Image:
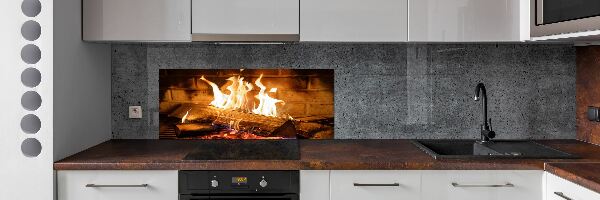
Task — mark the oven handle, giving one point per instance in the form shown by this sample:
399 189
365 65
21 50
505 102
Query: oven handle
245 196
192 197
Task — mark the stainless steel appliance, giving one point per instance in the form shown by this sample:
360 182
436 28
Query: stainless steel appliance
232 185
553 17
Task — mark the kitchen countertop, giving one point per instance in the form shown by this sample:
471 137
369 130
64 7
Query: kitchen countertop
584 174
314 154
332 155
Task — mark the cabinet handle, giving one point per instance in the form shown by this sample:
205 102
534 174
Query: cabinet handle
560 194
114 186
376 184
499 185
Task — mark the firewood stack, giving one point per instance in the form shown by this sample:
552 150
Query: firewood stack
202 120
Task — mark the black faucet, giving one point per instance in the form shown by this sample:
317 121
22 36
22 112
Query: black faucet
486 129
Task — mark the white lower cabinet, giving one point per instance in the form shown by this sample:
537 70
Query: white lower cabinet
375 185
482 185
560 189
314 185
117 185
341 185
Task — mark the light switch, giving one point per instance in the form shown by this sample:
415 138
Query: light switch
135 112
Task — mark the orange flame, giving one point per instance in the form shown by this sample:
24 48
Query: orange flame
237 97
267 105
219 99
185 116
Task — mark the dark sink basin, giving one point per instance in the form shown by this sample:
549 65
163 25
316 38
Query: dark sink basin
471 149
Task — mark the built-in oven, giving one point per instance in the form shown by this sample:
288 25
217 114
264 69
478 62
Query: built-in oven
554 17
237 185
237 197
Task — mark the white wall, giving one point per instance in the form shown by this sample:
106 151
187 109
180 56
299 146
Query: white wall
82 95
21 177
82 83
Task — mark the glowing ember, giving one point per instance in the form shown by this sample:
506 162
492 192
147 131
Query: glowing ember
234 135
237 98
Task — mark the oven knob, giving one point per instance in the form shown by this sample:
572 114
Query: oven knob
214 183
263 183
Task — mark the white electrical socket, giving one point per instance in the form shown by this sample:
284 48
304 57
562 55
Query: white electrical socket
135 112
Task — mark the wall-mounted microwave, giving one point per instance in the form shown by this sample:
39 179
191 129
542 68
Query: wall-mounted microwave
555 17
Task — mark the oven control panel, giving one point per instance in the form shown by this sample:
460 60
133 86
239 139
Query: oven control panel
231 182
239 181
263 182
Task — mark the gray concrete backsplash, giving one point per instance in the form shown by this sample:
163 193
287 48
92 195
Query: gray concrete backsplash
390 91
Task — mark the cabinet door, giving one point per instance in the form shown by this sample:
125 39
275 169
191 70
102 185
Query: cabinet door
482 185
560 189
314 185
136 20
468 20
222 17
353 20
117 185
374 184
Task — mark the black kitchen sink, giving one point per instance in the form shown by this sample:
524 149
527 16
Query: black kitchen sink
502 149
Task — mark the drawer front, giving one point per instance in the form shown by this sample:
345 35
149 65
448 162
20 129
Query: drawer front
376 185
117 185
560 189
482 185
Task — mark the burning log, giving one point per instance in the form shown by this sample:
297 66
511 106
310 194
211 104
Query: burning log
257 124
287 130
193 129
195 113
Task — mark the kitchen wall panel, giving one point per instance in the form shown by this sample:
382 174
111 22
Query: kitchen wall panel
381 90
588 92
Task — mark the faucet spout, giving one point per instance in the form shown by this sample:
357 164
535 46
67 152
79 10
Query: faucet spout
486 132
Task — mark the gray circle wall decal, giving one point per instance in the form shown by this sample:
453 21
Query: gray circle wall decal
31 54
31 147
31 8
31 124
31 100
31 77
31 30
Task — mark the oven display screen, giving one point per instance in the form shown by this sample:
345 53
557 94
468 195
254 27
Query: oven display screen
239 181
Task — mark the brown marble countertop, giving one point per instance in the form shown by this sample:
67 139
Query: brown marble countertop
314 154
584 174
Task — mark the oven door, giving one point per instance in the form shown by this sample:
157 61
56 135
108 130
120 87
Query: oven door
553 17
240 197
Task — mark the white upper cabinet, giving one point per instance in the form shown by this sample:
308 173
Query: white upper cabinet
468 20
245 20
136 20
307 20
353 20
